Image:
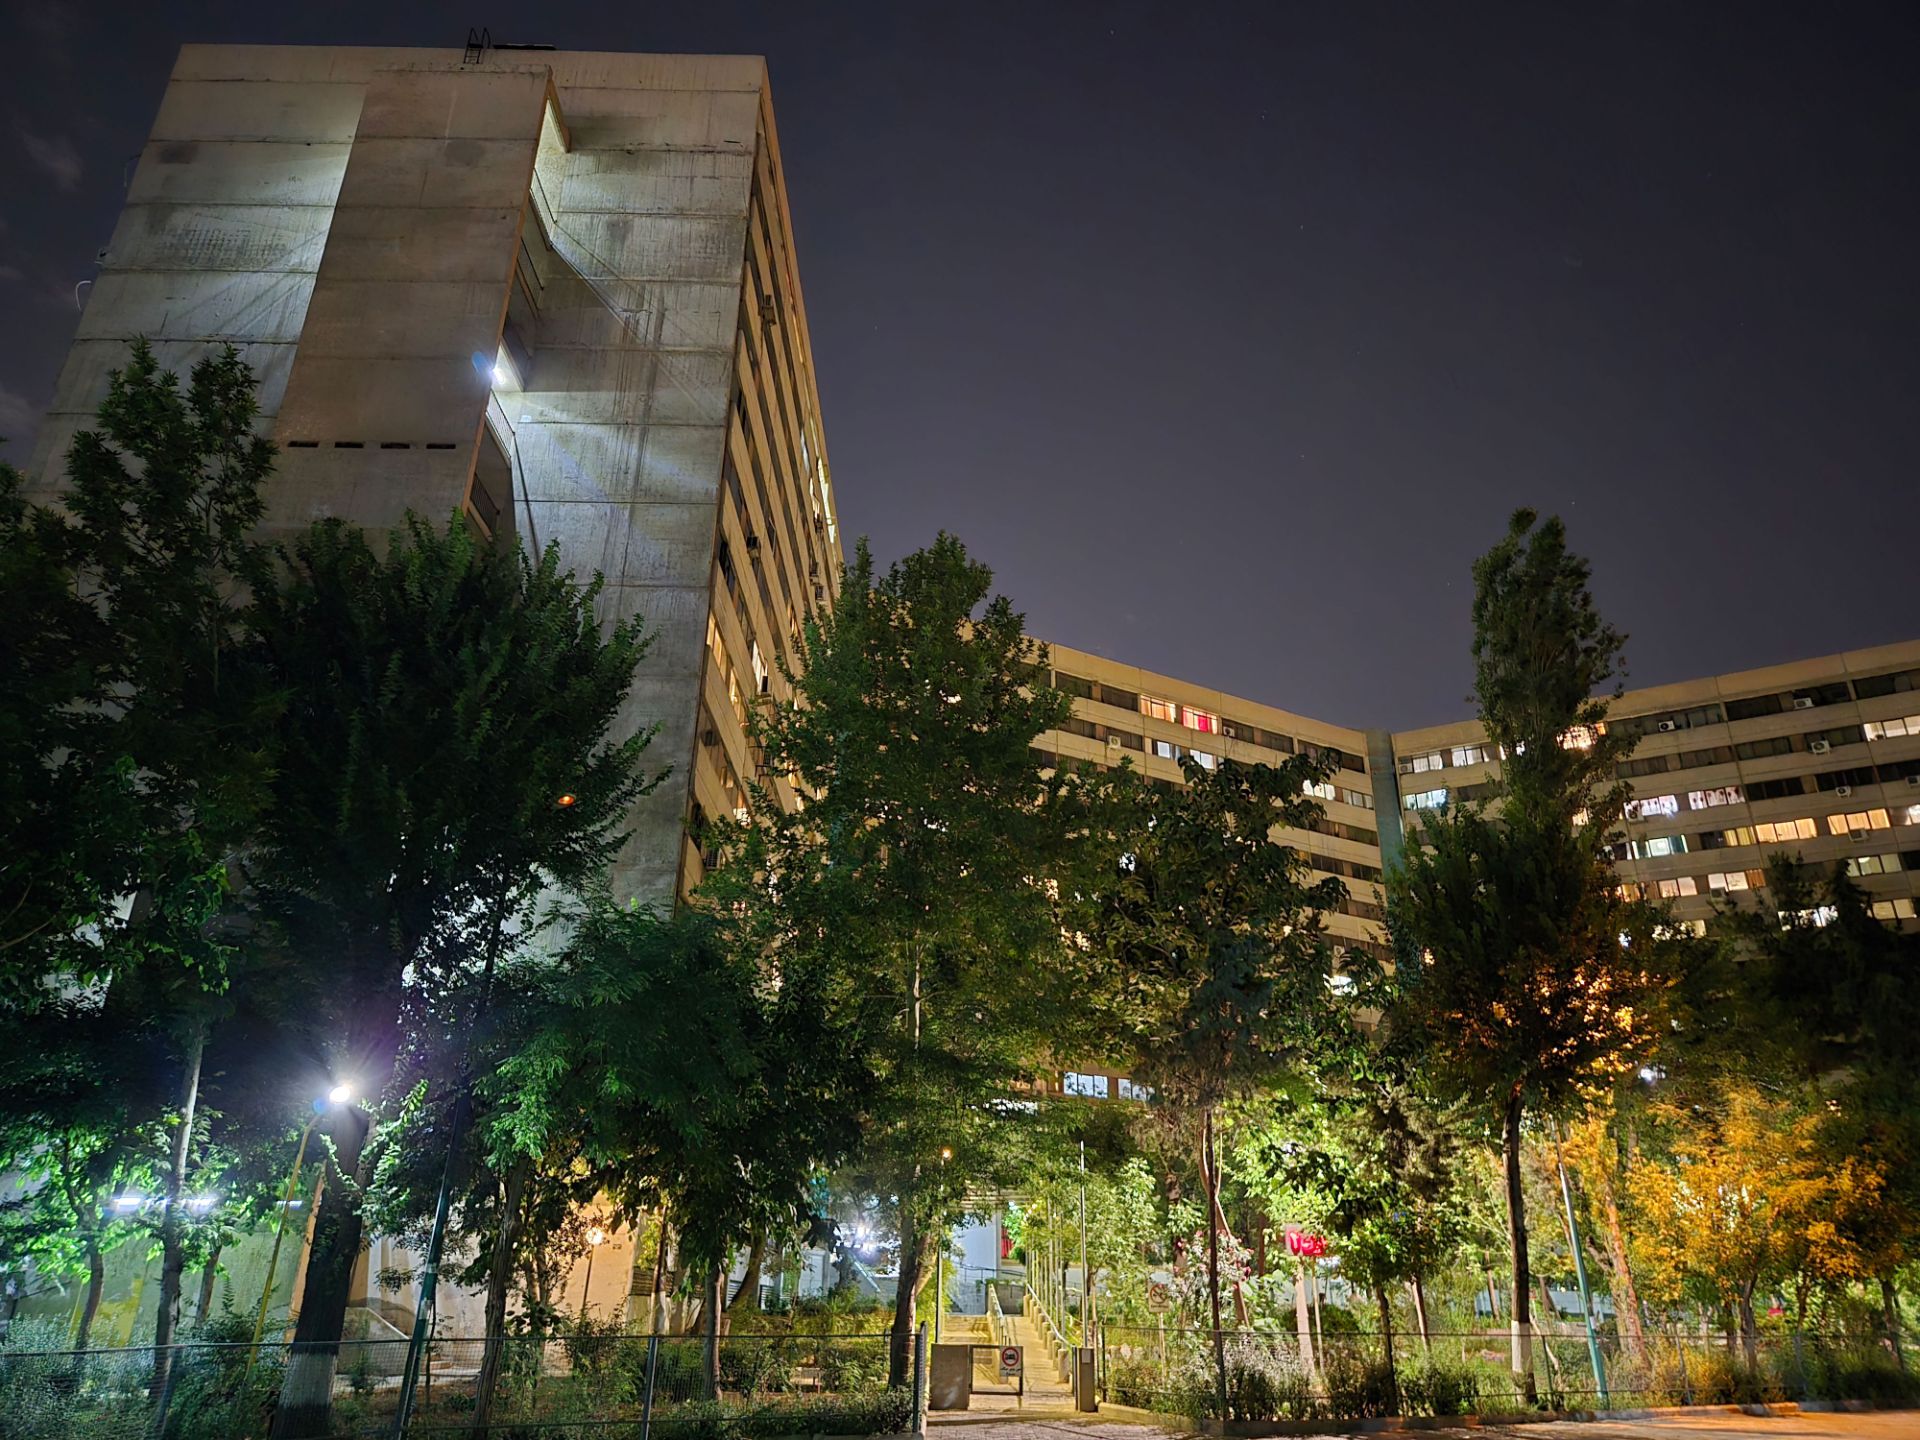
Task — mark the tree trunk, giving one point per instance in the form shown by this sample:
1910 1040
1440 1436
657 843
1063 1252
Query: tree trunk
96 1282
656 1311
1626 1296
747 1297
499 1277
1890 1313
204 1309
1419 1287
1386 1341
1493 1298
306 1389
1749 1331
173 1257
1517 1239
906 1296
710 1350
1211 1176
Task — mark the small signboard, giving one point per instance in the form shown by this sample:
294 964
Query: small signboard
1010 1360
1159 1297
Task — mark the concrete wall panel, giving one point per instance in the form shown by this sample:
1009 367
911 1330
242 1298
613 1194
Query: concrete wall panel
219 237
239 172
193 305
254 110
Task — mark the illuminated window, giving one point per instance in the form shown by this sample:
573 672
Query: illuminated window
1648 806
1421 764
1094 1087
1319 789
1778 832
1732 836
1900 909
1167 750
1733 880
1426 799
762 677
1200 720
1707 799
1858 822
1134 1090
1818 916
1674 889
1159 709
1882 729
1205 761
1652 847
1469 754
1580 737
1910 815
1357 797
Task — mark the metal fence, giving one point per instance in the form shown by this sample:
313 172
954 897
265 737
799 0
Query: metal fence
1343 1375
619 1386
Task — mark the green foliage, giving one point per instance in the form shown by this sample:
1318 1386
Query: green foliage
1435 1387
1358 1386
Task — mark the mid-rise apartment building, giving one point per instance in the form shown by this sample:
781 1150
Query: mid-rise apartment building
554 291
1819 759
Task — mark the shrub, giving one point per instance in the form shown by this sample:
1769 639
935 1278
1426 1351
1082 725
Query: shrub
1264 1382
1435 1387
1358 1387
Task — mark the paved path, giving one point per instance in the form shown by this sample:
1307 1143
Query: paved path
1716 1425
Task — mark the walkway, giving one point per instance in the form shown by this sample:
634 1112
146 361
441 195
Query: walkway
1713 1425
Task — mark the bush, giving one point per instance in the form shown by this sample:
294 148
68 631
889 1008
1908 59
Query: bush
1264 1382
1436 1388
1358 1387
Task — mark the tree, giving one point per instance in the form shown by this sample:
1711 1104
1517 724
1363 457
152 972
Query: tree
1524 974
447 754
918 870
1211 930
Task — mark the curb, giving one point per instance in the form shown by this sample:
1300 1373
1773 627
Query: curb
1392 1424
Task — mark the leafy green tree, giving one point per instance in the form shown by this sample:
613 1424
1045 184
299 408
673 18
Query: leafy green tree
1524 973
1212 931
918 869
448 752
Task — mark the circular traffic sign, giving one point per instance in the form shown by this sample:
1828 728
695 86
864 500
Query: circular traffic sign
1009 1359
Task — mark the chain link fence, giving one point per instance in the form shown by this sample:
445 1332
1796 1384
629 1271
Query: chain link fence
619 1386
1347 1375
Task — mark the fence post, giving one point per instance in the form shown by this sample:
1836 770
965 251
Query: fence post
646 1400
920 1379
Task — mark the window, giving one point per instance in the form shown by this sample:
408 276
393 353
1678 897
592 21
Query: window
1094 1087
1167 750
1357 797
1421 764
1873 865
1469 754
1655 846
1858 822
1754 708
1895 683
1200 720
1818 917
1203 759
1648 765
1910 815
1707 799
1648 806
1123 699
1775 789
1426 799
1159 709
1901 909
1674 889
1736 880
1835 694
1134 1090
1761 749
1319 789
762 677
1073 684
1886 729
1580 737
1727 839
1779 832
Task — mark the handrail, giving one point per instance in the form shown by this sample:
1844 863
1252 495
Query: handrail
1059 1339
998 1331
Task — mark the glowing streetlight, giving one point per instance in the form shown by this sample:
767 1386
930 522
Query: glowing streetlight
339 1094
567 801
596 1237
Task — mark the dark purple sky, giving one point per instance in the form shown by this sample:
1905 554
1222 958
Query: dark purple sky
1229 334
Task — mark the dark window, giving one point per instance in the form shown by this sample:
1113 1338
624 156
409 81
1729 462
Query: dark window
1760 749
1834 779
1114 695
1073 684
1899 770
1074 725
1775 789
1833 694
1754 708
1128 740
1649 765
1893 683
1274 740
1713 755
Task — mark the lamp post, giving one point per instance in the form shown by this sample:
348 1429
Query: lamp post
596 1237
940 1263
338 1095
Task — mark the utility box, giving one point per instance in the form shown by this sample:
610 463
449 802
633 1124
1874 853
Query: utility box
950 1383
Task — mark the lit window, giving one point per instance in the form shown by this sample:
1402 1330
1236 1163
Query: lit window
762 677
1730 880
1858 822
1900 909
1777 832
1655 846
1200 720
1873 865
1427 799
1421 764
1649 806
1818 916
1910 815
1707 799
1580 737
1883 729
1357 797
1159 709
1319 789
1737 835
1205 761
1166 750
1674 889
1134 1090
1469 754
1094 1087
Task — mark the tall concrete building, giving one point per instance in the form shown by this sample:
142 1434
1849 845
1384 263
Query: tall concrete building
554 291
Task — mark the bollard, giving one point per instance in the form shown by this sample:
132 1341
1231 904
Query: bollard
920 1379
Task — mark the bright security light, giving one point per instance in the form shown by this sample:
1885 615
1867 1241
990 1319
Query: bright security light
596 1236
340 1094
501 377
128 1202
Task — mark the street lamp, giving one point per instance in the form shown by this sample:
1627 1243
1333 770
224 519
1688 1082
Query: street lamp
338 1095
596 1237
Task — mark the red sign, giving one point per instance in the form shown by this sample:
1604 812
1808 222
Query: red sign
1307 1247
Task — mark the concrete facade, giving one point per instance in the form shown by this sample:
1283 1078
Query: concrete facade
554 291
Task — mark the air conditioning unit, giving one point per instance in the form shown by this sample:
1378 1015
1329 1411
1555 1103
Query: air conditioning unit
1820 747
1803 702
1667 726
1113 743
1843 791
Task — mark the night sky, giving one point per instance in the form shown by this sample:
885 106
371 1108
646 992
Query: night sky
1228 335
